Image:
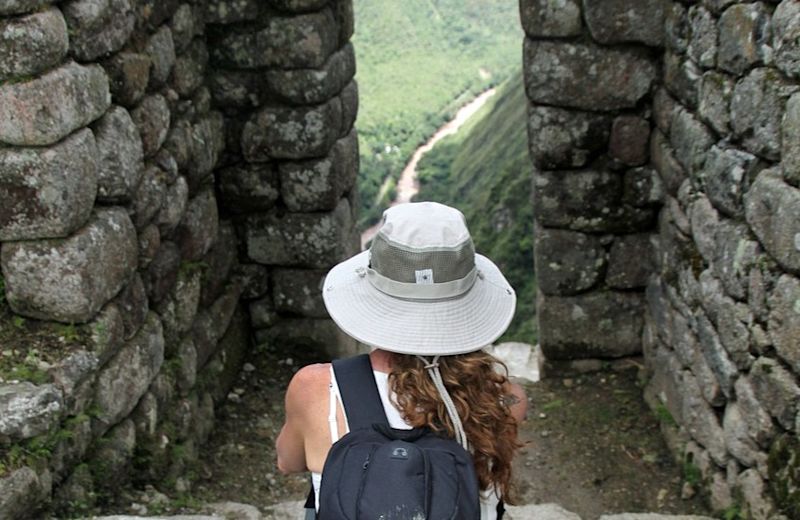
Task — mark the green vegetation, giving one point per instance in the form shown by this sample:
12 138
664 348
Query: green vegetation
663 415
418 62
691 472
484 171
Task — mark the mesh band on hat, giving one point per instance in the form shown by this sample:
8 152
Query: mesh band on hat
417 267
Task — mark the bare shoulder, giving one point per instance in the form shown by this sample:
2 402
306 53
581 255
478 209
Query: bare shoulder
308 381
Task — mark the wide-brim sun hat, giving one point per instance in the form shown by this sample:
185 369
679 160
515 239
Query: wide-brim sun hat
420 288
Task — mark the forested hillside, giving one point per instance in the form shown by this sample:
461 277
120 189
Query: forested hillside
484 171
418 61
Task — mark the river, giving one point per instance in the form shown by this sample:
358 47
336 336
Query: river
408 186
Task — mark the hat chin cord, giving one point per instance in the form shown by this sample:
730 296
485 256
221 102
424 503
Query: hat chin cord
432 367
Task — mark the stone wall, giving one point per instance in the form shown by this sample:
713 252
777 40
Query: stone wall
666 142
169 173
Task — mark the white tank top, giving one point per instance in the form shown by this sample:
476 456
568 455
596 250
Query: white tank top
489 498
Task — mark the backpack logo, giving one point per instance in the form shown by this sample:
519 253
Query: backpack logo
400 453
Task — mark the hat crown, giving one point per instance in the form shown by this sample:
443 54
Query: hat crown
424 225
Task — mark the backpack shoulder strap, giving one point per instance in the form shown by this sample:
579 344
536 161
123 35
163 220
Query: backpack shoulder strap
360 397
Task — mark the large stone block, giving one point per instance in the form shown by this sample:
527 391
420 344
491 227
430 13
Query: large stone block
776 389
703 40
249 188
152 118
786 37
32 43
126 377
48 108
662 157
313 86
304 333
642 187
28 410
292 133
230 11
691 140
349 97
149 196
701 422
737 440
567 262
716 91
8 7
129 74
551 18
757 106
631 261
586 75
98 27
617 21
784 320
629 139
211 324
560 138
676 28
69 280
682 78
120 156
22 491
174 207
314 240
586 200
790 144
220 262
744 37
186 23
190 69
237 88
292 42
597 324
299 291
772 208
717 357
206 145
161 50
759 423
47 192
198 229
734 254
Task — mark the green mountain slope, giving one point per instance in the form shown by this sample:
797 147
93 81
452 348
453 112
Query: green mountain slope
484 171
418 61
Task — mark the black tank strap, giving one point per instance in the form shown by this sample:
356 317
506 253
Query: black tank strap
360 398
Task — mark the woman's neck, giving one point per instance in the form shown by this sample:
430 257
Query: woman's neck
381 360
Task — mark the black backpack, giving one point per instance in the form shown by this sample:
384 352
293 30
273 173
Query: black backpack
377 472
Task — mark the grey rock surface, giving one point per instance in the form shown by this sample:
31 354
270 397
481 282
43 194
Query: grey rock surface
744 37
292 133
301 41
790 146
565 138
23 492
784 320
47 192
773 212
69 280
120 156
716 90
316 240
612 78
551 18
568 262
129 74
314 86
152 118
98 27
758 103
32 43
63 99
786 37
126 377
617 21
565 322
776 389
703 36
28 410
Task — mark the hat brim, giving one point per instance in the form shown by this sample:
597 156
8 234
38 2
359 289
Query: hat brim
458 325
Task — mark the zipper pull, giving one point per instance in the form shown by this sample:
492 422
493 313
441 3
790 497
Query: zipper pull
366 463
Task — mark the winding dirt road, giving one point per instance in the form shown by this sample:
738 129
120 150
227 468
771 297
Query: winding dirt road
408 186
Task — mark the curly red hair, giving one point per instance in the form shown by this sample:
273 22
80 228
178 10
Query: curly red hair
480 394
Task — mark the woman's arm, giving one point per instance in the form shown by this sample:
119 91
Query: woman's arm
517 401
290 445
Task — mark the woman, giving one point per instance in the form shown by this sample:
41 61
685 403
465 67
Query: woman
427 304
